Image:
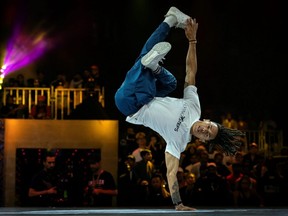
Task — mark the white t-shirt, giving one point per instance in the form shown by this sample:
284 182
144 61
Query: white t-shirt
137 155
172 118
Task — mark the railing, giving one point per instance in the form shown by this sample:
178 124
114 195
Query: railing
61 100
270 142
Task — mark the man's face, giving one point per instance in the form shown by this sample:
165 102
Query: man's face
156 182
49 164
205 130
148 156
95 166
141 141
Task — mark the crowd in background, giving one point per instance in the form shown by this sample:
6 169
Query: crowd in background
206 179
248 179
89 79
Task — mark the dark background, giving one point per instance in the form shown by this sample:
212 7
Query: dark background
240 47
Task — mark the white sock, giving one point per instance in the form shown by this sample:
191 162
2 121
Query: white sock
154 67
171 21
157 70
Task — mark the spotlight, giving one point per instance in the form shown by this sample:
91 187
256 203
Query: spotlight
2 70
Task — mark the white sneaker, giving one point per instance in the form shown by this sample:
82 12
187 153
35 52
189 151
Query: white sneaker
181 207
180 16
156 54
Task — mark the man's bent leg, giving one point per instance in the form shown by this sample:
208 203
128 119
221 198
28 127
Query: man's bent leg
137 89
139 86
166 83
159 35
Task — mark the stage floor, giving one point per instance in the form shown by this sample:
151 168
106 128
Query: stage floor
143 212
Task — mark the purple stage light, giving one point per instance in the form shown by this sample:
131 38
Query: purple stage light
23 49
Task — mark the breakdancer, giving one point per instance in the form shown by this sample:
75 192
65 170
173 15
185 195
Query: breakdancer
143 99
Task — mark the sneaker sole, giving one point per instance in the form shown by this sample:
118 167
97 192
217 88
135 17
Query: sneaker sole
156 54
181 18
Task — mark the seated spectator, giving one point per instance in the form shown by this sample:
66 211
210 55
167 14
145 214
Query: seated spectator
269 181
251 160
157 192
187 192
181 177
186 155
245 194
127 143
234 176
76 81
12 110
222 169
157 146
41 110
199 167
141 141
145 168
60 81
211 189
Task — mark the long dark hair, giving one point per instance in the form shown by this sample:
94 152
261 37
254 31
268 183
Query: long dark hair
227 141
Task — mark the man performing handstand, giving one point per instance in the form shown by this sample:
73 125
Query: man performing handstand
142 97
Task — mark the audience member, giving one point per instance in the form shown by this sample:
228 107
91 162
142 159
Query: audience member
40 110
211 189
251 159
158 194
101 186
199 167
181 177
144 170
127 143
234 176
127 184
141 141
188 191
157 147
222 169
12 110
76 81
92 79
60 81
96 75
229 121
245 194
190 150
269 181
43 190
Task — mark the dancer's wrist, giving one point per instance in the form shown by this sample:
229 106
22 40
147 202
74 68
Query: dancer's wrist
193 41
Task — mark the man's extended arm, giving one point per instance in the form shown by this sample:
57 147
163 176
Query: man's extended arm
191 58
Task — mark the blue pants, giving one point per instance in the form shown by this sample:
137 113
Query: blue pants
141 85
